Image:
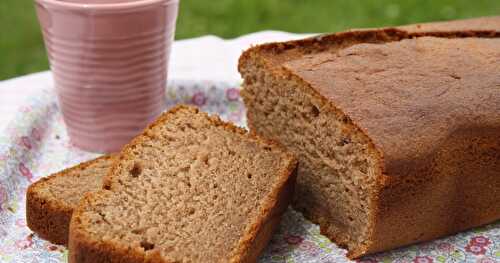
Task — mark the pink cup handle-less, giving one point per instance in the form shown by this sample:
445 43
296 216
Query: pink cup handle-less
109 63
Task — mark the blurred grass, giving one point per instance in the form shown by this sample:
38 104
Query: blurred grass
22 50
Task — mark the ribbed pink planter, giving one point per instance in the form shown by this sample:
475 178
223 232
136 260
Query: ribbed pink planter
109 62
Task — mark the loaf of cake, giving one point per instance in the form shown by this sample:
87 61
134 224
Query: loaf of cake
191 188
397 130
50 201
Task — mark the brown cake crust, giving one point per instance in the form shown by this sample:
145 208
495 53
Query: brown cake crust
47 219
434 186
84 249
491 23
50 218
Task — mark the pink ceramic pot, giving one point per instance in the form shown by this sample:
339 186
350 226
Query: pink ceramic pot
109 62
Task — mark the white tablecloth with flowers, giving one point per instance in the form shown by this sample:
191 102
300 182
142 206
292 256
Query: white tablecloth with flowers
34 143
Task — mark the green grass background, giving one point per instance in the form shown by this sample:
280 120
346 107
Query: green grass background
22 50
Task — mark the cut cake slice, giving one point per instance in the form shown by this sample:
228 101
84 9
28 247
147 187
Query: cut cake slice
191 188
50 201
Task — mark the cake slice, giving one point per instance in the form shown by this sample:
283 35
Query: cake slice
50 201
397 131
191 188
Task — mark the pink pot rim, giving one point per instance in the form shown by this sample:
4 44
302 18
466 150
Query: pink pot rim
59 4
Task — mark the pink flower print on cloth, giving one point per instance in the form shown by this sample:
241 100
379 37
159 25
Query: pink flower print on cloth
293 240
36 134
25 141
475 249
480 241
25 172
25 243
486 260
309 247
20 222
199 99
445 247
51 247
422 259
3 197
232 94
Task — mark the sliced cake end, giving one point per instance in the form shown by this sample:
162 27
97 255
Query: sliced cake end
191 188
50 201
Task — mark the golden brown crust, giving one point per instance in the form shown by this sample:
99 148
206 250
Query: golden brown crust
50 218
84 249
455 188
458 188
277 53
472 24
47 219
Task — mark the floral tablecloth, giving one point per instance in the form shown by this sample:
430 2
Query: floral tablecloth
34 143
